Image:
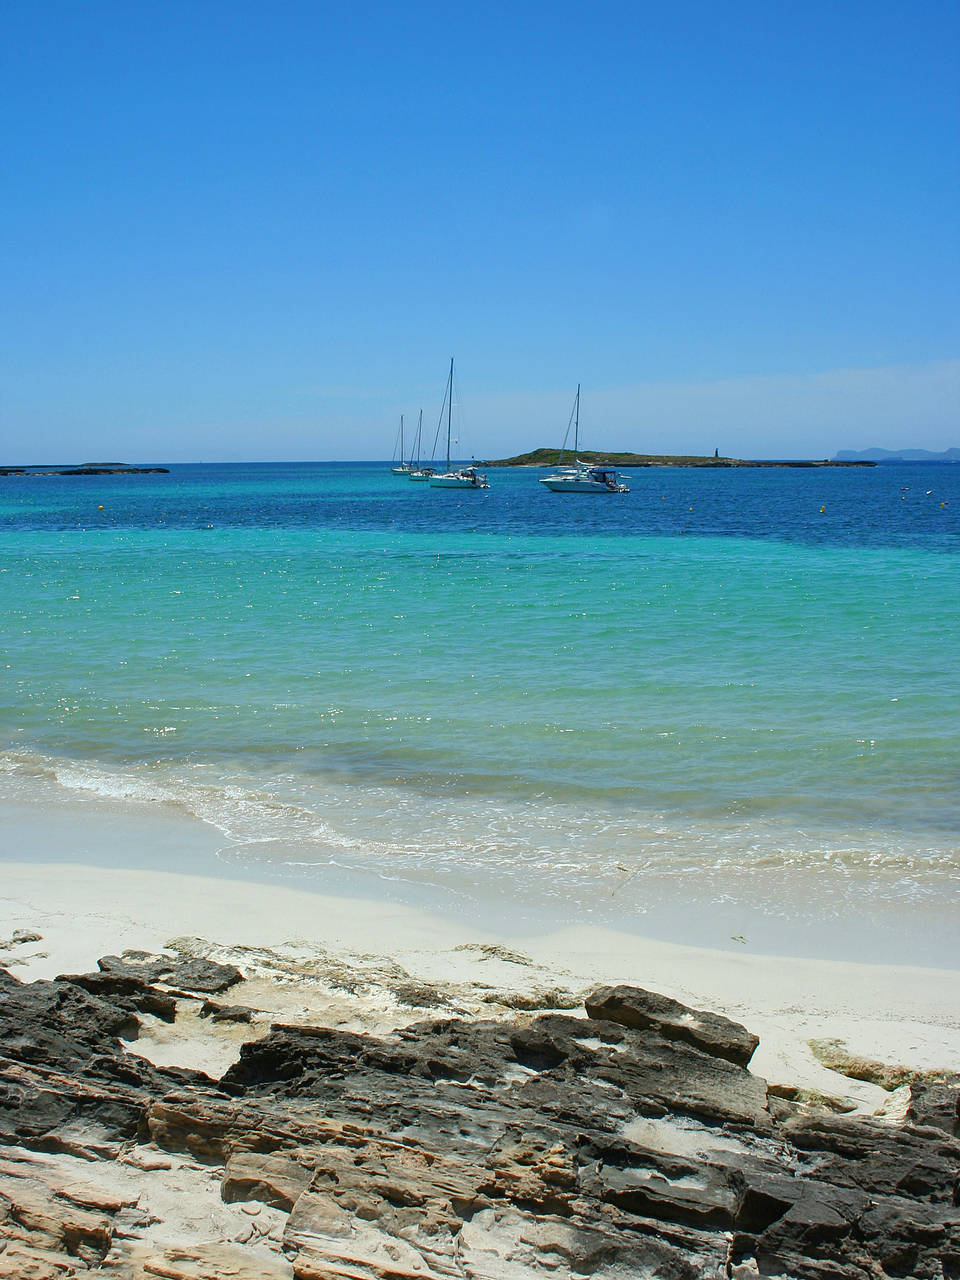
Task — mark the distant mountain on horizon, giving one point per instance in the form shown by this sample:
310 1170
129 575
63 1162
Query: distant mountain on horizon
897 455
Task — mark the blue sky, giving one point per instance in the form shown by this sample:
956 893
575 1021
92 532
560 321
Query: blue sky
251 231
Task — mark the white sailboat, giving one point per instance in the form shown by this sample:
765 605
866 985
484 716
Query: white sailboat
418 472
463 477
402 468
583 477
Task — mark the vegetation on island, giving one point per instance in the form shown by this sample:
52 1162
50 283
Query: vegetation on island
555 457
86 469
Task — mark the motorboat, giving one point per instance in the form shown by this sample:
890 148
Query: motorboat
582 477
585 477
463 478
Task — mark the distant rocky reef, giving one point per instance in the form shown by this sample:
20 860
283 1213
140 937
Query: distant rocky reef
898 455
632 1141
554 458
87 469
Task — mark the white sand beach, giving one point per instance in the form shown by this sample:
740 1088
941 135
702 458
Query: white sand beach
368 963
94 876
337 960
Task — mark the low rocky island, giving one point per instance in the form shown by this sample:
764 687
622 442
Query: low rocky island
610 1133
554 458
86 469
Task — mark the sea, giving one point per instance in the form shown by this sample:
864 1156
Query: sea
721 709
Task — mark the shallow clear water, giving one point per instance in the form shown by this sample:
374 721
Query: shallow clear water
708 687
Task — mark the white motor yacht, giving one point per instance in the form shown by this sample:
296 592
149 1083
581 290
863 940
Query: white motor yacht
464 478
582 477
585 477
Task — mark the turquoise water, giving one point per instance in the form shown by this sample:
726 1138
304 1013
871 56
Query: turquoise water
708 688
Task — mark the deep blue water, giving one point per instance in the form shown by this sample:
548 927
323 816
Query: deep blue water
871 506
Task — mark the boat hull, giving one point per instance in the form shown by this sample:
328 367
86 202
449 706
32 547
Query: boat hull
454 481
565 484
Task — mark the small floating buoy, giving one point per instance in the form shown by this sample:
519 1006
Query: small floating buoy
100 508
822 510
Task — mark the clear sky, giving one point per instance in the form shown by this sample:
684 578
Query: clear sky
259 231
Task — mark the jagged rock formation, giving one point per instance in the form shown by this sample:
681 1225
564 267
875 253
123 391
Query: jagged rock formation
630 1142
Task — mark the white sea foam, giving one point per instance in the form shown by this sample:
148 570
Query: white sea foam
553 851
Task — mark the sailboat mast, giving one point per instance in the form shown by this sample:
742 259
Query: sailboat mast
419 429
449 410
401 439
576 426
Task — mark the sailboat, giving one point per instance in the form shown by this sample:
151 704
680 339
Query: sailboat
417 472
584 477
464 477
403 468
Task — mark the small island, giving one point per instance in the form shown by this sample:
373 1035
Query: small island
86 469
552 458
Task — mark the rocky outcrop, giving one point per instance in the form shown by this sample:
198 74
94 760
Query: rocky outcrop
646 1010
632 1141
192 975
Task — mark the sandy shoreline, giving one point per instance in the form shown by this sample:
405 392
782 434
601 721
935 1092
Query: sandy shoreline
272 1187
95 877
289 941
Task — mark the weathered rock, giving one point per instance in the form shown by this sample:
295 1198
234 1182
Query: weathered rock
19 938
215 1261
55 1022
918 1162
274 1180
226 1012
709 1032
419 995
194 974
61 1063
627 1145
33 1215
130 993
936 1104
